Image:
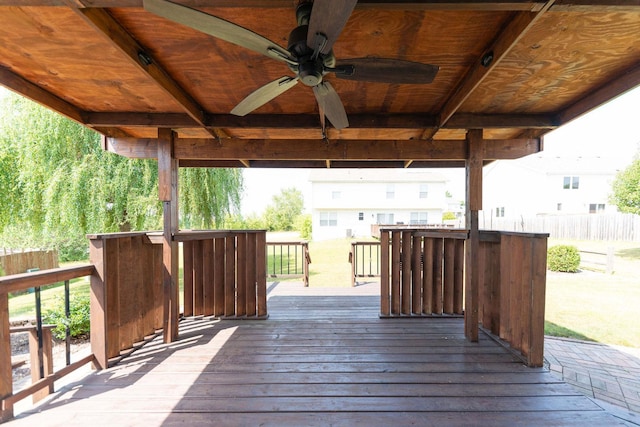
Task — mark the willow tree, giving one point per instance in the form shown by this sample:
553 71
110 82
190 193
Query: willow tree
57 184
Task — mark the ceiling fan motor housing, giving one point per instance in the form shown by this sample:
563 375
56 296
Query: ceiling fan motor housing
308 69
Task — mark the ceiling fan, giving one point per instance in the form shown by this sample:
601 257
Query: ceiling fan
309 54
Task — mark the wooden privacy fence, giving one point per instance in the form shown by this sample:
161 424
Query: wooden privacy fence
512 294
224 273
20 262
40 337
421 272
287 259
618 226
126 293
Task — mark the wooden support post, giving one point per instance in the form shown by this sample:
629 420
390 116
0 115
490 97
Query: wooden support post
473 166
6 375
168 194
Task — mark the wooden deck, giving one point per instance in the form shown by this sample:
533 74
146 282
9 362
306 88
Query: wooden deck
322 358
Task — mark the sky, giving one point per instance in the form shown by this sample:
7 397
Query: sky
609 131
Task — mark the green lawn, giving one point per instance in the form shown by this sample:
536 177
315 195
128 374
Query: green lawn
597 306
23 306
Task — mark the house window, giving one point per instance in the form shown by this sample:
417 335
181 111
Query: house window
336 195
360 216
383 218
424 191
596 208
500 212
328 219
571 182
391 192
418 218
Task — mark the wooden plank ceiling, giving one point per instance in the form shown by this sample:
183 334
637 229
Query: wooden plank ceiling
516 69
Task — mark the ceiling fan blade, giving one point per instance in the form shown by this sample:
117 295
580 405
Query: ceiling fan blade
264 94
328 17
329 102
217 27
386 70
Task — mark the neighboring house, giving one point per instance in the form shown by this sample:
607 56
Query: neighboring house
548 185
347 202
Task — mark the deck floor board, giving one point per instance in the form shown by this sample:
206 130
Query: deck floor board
317 367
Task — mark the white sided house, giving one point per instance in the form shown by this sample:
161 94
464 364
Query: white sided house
548 186
347 202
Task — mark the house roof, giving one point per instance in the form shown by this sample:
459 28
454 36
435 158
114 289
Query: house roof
516 69
375 175
569 165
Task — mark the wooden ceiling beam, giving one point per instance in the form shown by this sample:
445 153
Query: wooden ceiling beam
499 5
18 84
612 89
114 33
310 121
328 151
41 96
491 57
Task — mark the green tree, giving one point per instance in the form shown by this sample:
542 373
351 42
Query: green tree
626 189
57 184
281 214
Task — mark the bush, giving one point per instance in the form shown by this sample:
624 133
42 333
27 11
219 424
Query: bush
303 225
72 249
448 216
79 322
563 258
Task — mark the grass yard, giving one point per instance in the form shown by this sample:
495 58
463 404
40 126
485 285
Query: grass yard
595 305
24 306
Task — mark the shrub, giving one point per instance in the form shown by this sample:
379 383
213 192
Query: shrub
563 258
78 321
303 225
448 216
72 249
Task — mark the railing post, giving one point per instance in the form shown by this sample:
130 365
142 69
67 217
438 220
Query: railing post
384 273
261 273
98 303
306 262
6 375
353 259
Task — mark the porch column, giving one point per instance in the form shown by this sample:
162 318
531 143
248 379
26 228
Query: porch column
168 194
473 169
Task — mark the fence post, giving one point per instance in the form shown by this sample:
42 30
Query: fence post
610 257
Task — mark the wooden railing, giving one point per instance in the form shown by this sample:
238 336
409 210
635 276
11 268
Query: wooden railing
288 259
365 260
421 272
512 293
224 273
126 293
45 375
